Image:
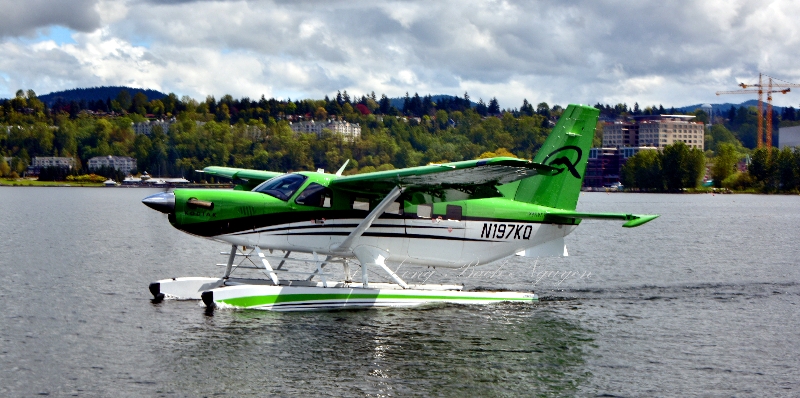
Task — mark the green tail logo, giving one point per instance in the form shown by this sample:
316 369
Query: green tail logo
564 160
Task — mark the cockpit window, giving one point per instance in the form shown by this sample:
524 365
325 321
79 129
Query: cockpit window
281 187
315 195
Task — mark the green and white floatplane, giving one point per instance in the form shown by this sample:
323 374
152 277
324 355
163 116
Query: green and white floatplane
441 215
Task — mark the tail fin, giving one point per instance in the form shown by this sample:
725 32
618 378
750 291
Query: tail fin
567 148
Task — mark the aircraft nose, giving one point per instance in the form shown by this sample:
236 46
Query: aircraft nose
162 201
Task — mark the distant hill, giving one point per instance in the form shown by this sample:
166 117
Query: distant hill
97 93
723 108
717 108
104 93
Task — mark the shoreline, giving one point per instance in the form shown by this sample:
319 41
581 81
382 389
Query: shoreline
60 184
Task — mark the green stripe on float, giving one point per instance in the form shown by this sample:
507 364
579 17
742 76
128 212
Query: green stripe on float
287 298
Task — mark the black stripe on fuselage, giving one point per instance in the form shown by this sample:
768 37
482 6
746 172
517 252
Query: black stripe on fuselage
280 221
391 235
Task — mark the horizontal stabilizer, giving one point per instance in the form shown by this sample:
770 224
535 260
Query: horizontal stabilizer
639 219
633 220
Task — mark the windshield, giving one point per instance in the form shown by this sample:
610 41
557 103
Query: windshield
281 187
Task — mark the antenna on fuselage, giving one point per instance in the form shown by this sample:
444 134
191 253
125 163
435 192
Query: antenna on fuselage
341 169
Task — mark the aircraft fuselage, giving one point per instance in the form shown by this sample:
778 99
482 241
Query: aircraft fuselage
445 234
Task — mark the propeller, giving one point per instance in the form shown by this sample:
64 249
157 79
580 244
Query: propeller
162 201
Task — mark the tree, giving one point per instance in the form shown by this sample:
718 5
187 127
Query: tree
481 107
763 168
407 105
320 114
139 104
384 105
442 120
5 169
719 134
789 114
157 108
597 141
787 169
724 163
543 109
682 167
415 106
526 109
124 99
701 116
644 171
494 106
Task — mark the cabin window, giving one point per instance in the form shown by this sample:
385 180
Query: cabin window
453 212
361 204
281 187
394 208
424 211
315 195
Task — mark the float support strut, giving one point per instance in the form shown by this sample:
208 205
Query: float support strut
229 266
267 268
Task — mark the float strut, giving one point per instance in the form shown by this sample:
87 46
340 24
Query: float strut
267 268
229 266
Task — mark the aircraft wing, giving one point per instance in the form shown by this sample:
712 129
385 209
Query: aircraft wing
499 170
253 177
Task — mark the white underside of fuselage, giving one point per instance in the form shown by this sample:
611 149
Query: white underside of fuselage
431 242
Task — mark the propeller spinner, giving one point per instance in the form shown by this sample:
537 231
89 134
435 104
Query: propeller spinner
162 201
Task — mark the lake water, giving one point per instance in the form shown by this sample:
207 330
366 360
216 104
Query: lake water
702 301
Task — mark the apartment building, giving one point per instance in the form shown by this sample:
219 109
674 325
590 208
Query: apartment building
655 131
348 131
122 163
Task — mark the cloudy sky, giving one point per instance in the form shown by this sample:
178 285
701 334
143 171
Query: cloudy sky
673 53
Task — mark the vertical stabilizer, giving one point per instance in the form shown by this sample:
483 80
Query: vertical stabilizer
567 148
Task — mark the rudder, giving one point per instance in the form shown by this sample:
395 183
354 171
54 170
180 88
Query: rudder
567 148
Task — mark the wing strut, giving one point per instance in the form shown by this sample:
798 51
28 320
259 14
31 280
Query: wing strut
345 246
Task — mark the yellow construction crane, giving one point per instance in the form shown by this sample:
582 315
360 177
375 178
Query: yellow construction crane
782 87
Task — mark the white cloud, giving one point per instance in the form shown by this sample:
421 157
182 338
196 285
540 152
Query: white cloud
587 51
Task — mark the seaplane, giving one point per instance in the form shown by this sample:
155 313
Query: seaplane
449 215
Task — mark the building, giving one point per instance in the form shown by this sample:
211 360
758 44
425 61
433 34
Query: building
122 163
619 134
39 162
655 131
146 127
348 131
604 167
308 127
789 136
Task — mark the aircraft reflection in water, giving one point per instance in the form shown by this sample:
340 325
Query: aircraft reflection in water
401 353
442 215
